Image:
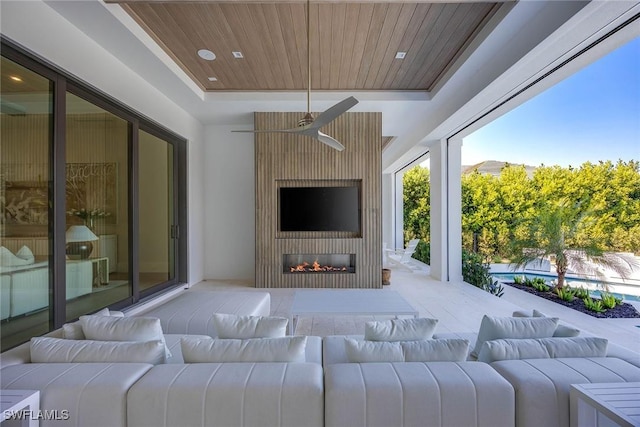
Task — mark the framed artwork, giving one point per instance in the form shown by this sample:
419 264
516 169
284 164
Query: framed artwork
92 187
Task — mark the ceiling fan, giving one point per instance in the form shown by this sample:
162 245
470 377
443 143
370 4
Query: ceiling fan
308 125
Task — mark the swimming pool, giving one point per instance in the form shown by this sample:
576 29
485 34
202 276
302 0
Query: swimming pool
572 281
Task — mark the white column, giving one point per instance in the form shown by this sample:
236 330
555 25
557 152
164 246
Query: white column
438 193
388 211
454 210
398 235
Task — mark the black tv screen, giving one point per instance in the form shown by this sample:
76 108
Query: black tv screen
320 209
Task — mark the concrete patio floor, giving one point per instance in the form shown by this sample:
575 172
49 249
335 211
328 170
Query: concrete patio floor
459 307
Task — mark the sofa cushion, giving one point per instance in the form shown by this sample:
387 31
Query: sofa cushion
417 394
107 328
542 385
441 350
241 327
434 350
542 348
373 351
400 329
57 350
493 328
95 394
285 349
229 394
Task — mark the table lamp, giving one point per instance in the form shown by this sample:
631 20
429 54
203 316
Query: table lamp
79 239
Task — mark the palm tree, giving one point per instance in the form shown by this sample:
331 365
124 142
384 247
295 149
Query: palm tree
555 233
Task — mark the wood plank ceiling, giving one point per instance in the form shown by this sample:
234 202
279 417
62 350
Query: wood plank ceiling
353 45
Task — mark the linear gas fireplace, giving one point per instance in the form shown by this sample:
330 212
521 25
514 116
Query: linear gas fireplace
318 263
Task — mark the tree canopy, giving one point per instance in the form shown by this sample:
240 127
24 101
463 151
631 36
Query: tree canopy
502 209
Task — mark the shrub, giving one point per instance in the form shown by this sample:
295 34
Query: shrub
518 280
581 292
594 305
565 293
423 252
609 301
476 272
541 287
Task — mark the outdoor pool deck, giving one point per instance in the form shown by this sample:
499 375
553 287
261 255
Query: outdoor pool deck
459 307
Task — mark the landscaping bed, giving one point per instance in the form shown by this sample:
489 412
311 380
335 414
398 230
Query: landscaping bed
621 311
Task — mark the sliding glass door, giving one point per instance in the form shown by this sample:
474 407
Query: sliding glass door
157 229
97 207
92 200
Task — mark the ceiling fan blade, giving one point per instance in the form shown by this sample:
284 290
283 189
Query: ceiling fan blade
332 113
269 131
326 139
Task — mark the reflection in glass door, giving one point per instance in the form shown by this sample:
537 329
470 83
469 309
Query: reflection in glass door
97 224
26 115
157 232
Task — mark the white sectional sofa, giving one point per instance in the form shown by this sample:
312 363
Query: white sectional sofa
323 388
177 393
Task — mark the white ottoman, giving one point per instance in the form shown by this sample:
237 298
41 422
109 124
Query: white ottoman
542 385
228 394
417 394
190 312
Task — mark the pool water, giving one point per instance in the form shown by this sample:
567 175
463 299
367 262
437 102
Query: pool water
574 282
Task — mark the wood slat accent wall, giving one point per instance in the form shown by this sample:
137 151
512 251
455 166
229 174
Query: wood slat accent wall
281 159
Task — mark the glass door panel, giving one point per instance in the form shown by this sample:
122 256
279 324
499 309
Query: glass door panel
97 206
157 211
26 116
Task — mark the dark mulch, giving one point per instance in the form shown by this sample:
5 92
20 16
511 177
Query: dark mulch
621 311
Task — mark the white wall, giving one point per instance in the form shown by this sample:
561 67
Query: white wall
40 29
230 204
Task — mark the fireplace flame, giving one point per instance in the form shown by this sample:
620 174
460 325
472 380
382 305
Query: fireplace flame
305 267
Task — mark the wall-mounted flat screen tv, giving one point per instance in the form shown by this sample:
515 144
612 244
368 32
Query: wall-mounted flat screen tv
320 209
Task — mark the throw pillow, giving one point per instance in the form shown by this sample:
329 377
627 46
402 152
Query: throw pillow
542 348
493 328
437 350
563 331
242 327
107 328
283 349
58 350
26 254
400 330
8 259
73 331
373 351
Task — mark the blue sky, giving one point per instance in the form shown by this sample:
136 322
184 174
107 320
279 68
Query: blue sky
592 115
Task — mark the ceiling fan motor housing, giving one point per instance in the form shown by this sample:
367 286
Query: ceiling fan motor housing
306 120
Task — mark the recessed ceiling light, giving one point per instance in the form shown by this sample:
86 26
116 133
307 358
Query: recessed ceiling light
206 54
237 54
213 79
15 78
401 55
